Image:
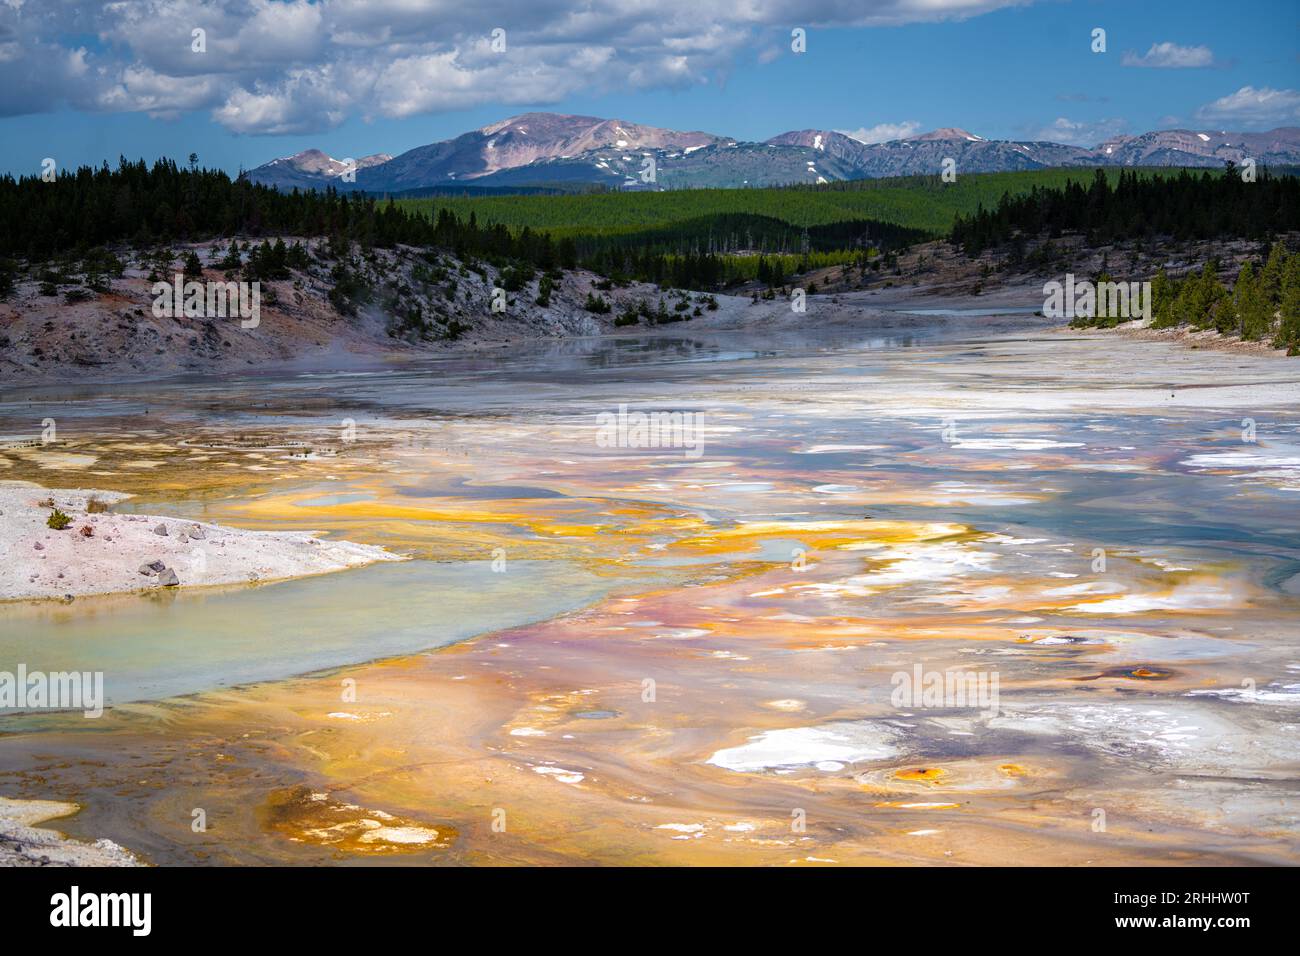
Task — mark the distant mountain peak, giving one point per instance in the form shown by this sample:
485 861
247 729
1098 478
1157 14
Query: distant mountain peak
586 132
314 160
812 138
308 159
541 119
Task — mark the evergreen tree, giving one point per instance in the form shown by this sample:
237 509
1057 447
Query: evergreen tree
1163 292
1253 315
232 258
1185 308
544 288
1270 279
1204 293
1288 335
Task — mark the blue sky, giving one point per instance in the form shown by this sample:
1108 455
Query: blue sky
83 83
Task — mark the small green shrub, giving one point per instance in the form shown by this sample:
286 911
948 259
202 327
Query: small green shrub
57 520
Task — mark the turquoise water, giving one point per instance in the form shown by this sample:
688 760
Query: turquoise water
184 642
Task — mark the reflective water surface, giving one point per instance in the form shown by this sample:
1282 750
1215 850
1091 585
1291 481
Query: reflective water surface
974 592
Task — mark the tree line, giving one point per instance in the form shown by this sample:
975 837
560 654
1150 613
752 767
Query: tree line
145 206
1207 205
1263 304
148 205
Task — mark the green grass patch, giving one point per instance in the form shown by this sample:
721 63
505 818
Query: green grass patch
918 202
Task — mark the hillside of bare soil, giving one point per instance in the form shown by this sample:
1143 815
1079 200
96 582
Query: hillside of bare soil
331 310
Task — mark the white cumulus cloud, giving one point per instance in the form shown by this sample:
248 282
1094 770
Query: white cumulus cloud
297 66
883 132
1079 132
1252 107
1171 56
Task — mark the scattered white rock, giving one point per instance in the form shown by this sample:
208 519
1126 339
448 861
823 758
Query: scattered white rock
23 844
829 747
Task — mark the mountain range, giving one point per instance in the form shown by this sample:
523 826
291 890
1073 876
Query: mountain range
553 149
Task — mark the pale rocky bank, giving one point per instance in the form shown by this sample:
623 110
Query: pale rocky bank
100 552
